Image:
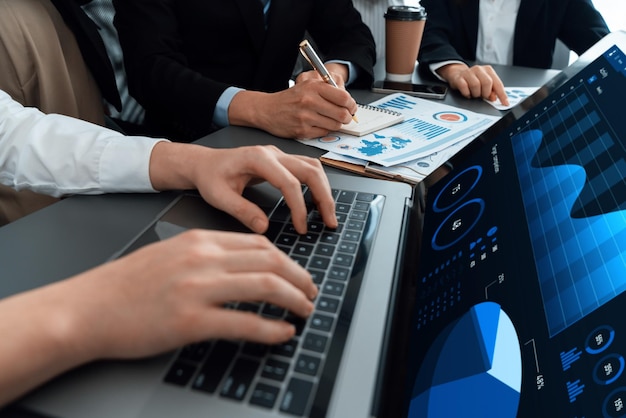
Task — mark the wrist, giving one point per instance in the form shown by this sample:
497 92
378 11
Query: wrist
339 70
43 338
245 109
172 165
448 72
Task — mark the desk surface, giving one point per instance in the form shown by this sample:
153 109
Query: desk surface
81 232
84 231
510 76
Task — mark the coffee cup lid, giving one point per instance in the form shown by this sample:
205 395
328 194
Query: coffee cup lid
405 13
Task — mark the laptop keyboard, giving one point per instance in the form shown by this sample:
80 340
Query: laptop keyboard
295 377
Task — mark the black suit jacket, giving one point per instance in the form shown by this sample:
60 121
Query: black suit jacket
180 55
91 47
451 30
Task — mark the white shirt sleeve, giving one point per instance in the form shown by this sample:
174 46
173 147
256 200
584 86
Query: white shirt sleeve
58 155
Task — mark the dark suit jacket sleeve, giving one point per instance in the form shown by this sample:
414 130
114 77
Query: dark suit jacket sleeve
582 26
451 30
180 56
159 75
449 33
340 33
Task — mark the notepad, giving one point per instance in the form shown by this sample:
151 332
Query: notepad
371 118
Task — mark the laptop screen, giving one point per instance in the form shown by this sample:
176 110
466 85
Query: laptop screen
520 305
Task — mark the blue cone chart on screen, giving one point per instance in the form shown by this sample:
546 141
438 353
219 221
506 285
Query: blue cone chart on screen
473 369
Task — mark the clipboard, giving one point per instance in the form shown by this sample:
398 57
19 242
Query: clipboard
370 170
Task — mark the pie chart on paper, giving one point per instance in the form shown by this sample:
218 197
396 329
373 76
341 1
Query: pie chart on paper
473 369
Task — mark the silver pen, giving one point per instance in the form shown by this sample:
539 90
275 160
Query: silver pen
311 56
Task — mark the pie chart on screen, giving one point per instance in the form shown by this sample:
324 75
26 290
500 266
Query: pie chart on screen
473 369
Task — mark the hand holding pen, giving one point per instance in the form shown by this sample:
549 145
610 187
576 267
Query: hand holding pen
311 56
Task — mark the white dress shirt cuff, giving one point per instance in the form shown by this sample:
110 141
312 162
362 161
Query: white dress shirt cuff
58 155
434 67
125 164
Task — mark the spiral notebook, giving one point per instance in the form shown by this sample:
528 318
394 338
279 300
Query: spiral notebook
370 119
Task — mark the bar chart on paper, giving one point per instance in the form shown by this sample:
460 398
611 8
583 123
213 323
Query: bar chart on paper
428 128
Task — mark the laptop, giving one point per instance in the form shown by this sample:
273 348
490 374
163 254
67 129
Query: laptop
358 268
495 292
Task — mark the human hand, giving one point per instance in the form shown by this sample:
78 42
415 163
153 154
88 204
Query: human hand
310 109
220 175
476 81
338 72
160 297
173 293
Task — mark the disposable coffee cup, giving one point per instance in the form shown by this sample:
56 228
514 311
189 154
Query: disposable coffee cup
404 26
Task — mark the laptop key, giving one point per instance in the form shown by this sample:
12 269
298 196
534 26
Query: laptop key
180 373
365 197
296 396
315 342
296 321
346 196
348 247
194 352
341 217
342 207
356 225
275 369
273 311
357 215
320 263
325 249
308 364
327 304
286 239
322 322
333 288
240 378
362 206
264 395
352 236
315 226
317 276
255 349
338 273
300 260
309 237
303 249
344 260
215 366
286 349
330 237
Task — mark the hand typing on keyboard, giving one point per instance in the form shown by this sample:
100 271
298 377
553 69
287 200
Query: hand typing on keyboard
175 292
222 182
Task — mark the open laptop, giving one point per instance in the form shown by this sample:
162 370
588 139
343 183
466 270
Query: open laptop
516 303
320 372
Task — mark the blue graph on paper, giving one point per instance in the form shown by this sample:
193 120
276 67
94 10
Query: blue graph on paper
381 143
577 223
427 129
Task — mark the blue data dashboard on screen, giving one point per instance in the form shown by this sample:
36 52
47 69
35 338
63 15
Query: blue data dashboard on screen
521 309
